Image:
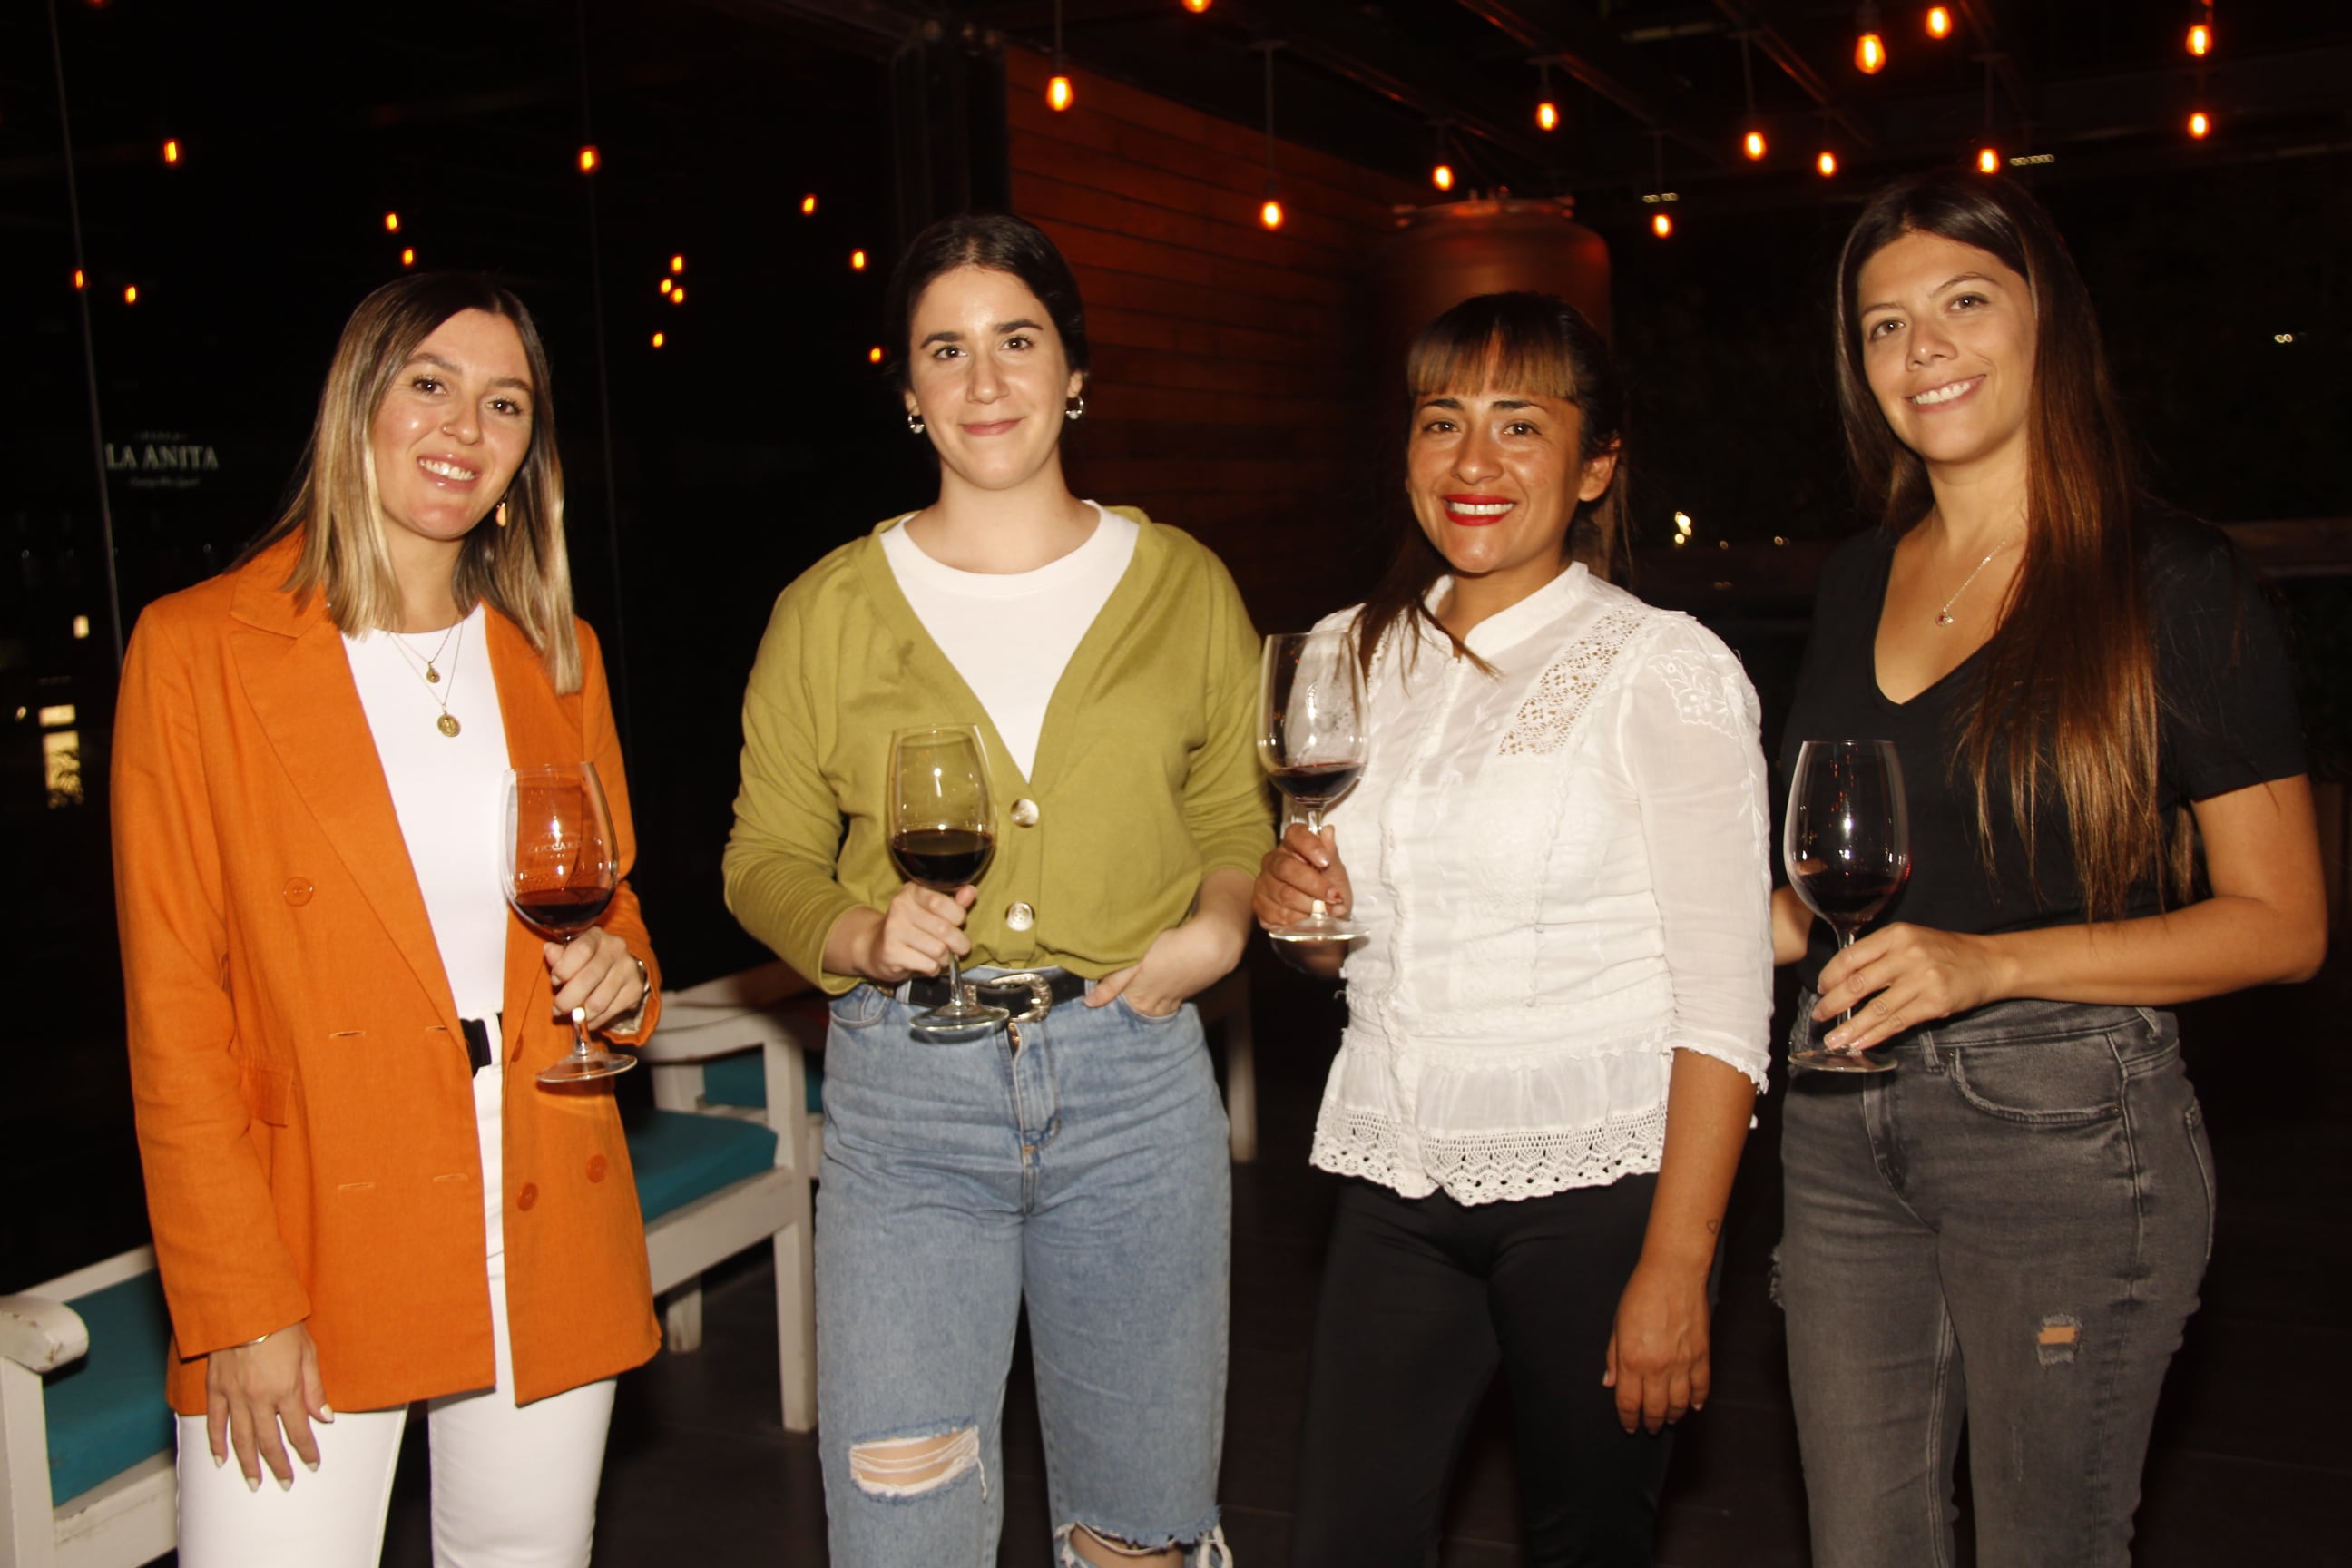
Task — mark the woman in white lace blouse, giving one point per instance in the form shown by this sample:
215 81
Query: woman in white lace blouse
1558 1024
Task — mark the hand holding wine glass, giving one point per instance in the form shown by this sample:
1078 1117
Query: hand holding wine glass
1312 740
1847 846
561 868
942 834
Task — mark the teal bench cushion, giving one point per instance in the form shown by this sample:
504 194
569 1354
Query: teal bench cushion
679 1156
106 1412
741 1080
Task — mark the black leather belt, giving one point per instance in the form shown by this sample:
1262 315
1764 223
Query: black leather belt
1026 993
477 1042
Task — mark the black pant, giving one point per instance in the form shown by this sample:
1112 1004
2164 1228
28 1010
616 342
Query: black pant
1422 1298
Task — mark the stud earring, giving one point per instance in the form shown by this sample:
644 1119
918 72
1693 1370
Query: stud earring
1076 409
500 512
914 423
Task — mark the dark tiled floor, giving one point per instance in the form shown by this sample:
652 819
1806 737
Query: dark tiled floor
2252 1457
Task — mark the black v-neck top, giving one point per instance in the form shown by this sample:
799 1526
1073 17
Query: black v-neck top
2229 721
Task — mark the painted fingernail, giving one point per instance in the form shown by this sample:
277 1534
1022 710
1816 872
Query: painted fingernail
220 1459
253 1483
309 1465
285 1483
327 1413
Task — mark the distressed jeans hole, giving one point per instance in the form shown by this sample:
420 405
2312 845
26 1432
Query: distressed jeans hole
2054 1345
913 1467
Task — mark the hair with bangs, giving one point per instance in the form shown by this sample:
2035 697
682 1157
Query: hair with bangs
521 570
2065 704
1519 341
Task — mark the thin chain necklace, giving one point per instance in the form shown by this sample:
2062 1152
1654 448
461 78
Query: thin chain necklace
447 723
432 674
1944 616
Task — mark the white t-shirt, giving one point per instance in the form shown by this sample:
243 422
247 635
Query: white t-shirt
448 791
1010 635
1564 868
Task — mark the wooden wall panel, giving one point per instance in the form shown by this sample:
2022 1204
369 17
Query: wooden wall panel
1229 393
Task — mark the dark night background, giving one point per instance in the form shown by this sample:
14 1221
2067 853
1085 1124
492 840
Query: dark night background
704 474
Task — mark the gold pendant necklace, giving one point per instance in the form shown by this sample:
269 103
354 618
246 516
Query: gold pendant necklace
1944 616
447 723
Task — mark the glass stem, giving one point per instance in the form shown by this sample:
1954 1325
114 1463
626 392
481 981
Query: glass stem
1315 826
955 984
1845 940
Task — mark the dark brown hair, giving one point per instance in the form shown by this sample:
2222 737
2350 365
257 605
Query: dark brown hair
521 569
997 242
1524 342
2065 707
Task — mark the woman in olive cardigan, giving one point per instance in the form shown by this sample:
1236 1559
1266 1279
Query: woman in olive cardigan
1074 1159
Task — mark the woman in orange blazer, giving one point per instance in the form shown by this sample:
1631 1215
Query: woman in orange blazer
361 1197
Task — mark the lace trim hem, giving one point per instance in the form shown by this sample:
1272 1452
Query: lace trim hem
1487 1167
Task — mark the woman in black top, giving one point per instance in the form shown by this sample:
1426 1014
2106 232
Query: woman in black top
2011 1228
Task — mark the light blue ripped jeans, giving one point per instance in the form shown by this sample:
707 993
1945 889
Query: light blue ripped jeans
1077 1162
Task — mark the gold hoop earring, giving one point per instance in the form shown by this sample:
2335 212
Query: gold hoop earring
499 512
914 423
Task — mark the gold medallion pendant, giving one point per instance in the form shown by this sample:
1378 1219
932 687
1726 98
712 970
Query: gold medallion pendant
446 725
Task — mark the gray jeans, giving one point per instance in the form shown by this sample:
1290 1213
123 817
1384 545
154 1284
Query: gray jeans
2010 1230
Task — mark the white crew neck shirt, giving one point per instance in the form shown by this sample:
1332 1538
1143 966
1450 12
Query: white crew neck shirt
447 791
1010 635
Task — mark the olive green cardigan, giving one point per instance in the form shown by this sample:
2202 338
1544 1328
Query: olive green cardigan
1146 775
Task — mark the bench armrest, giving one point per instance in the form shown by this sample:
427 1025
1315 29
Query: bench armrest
37 1333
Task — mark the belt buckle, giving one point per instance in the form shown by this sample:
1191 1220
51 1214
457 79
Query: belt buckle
1040 989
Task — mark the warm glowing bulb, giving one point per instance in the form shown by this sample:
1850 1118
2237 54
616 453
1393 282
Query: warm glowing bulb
1870 54
131 294
1939 22
392 223
667 285
408 257
858 261
874 354
170 148
588 160
808 206
677 264
79 281
677 295
1196 6
2200 40
1661 223
1270 214
1753 145
1442 177
1988 161
1547 115
1059 94
660 338
1826 163
2199 123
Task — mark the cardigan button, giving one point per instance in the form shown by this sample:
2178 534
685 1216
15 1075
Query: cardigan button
1024 813
528 1199
595 1167
299 890
1019 916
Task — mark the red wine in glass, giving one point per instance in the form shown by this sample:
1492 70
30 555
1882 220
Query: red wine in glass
942 858
942 834
1312 742
1847 846
561 867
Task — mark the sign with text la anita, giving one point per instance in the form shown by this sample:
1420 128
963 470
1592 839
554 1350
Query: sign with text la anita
161 460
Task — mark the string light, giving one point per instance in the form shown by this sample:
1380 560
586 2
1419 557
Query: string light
170 148
588 160
667 285
392 223
81 282
1870 54
1269 211
2201 39
1826 164
1442 177
1939 22
1269 214
677 264
1988 161
808 206
1059 95
409 256
677 295
2200 124
1196 6
1546 112
874 354
1753 143
1661 223
131 294
858 261
660 338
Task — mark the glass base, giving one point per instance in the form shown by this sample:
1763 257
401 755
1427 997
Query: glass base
579 1068
1318 928
1825 1061
957 1018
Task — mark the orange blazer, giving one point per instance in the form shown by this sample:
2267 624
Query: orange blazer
304 1101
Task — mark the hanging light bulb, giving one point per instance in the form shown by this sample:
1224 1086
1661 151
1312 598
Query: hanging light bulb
808 205
677 295
1987 159
666 286
131 294
677 264
1442 177
1059 95
1547 115
1196 6
409 256
1870 54
1939 22
170 148
81 281
1269 211
660 338
588 160
1661 223
392 223
858 261
2201 39
874 354
1753 145
1270 214
2201 124
1826 164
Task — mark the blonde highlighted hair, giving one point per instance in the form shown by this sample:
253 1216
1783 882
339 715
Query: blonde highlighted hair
521 570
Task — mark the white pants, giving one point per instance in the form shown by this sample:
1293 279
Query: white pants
512 1487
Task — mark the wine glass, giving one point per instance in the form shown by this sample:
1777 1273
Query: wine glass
561 868
1311 737
942 835
1847 845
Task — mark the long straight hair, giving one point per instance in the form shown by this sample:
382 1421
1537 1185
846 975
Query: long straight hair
1519 341
521 570
2064 711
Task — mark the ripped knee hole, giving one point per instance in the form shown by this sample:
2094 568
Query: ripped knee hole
910 1467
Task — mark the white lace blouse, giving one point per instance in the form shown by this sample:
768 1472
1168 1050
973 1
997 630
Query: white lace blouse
1564 871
